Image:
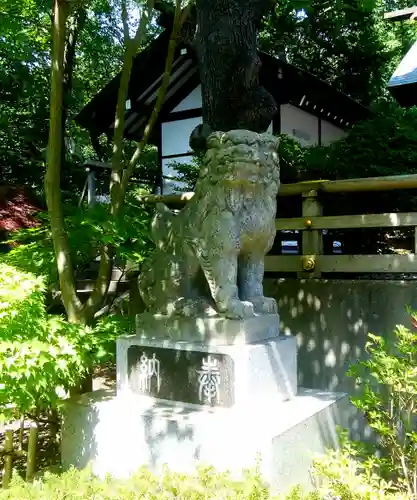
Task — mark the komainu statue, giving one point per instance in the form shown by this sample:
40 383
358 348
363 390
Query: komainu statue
209 258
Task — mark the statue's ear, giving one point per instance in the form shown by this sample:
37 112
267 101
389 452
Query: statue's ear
198 138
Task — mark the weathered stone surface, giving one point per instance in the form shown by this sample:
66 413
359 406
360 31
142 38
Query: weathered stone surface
209 259
211 331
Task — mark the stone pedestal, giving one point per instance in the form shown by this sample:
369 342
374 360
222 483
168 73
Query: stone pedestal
238 364
204 391
117 435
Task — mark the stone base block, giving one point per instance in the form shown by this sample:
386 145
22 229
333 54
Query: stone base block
117 435
197 373
210 331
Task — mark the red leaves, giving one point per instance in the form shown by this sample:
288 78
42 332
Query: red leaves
16 209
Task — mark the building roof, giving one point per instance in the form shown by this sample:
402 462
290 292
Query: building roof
286 82
403 83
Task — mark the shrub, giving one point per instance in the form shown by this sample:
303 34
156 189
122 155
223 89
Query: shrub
88 230
42 356
342 475
340 480
74 484
388 398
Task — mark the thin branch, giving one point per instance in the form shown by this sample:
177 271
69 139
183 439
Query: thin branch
126 34
101 286
119 123
119 179
179 19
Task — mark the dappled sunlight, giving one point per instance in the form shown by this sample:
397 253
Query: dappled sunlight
331 320
61 261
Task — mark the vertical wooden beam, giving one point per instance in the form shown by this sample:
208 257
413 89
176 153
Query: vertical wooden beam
91 188
312 239
319 130
21 431
31 457
276 122
415 239
159 181
8 458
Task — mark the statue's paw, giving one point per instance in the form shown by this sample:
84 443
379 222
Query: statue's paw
239 309
193 307
264 305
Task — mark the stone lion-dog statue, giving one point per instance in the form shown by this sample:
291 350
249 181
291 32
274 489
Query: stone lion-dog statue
209 258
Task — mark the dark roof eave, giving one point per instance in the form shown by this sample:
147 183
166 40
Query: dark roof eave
98 115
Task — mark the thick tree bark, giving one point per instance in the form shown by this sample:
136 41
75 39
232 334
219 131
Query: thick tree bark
226 47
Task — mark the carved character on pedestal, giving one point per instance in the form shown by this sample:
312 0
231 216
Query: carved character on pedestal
209 258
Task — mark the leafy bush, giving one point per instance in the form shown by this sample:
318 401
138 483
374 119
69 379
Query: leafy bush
388 398
385 144
88 229
83 485
187 173
340 479
338 475
42 356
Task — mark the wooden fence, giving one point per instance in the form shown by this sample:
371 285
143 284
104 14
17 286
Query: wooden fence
312 262
12 450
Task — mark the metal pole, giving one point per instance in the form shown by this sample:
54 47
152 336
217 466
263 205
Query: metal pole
91 198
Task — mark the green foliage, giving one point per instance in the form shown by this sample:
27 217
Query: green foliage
388 397
93 227
24 83
88 229
75 484
340 479
43 356
187 172
339 474
348 44
383 145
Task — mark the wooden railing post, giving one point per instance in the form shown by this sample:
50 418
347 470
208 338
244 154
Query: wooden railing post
31 455
312 239
415 239
8 458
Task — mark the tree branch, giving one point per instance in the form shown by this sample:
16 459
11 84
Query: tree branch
102 283
119 123
126 35
179 20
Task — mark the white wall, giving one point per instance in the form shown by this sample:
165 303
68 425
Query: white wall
330 133
299 124
176 136
192 101
294 121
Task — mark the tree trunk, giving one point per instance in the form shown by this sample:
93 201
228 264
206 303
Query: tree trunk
226 47
70 299
75 26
